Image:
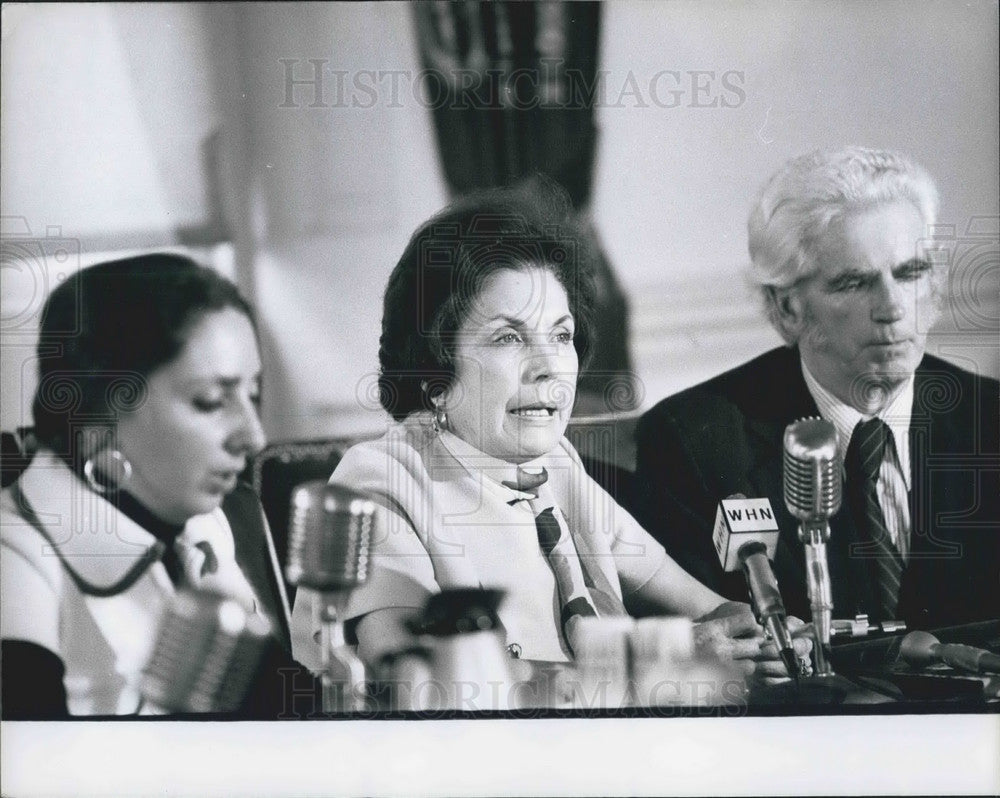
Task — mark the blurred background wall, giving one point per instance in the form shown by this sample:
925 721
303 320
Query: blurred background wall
293 147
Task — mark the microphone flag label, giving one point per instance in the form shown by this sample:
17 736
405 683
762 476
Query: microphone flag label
740 521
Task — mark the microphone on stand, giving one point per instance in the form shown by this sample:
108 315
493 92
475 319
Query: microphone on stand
745 536
206 654
813 486
328 551
919 649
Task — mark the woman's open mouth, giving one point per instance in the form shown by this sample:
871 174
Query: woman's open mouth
534 411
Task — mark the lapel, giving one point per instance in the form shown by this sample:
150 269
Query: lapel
97 541
921 444
939 437
256 558
100 545
465 499
953 502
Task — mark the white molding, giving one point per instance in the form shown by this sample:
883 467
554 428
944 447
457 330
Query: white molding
685 332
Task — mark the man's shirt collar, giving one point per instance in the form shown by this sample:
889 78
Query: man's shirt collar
845 418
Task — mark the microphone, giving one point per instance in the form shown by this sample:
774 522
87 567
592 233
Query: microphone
919 649
745 536
813 485
206 653
328 551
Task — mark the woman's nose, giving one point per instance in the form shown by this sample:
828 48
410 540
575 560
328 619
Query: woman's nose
248 437
541 362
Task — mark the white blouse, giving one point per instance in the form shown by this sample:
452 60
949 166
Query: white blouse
444 521
103 642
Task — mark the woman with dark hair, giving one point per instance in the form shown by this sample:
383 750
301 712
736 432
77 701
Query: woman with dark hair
486 322
145 415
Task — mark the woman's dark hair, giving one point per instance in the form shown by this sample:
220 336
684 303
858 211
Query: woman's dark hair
107 328
443 268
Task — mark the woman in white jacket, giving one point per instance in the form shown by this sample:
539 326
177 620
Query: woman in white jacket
145 415
486 321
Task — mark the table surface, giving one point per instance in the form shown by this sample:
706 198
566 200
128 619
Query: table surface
868 678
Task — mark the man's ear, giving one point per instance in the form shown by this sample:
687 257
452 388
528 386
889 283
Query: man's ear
789 311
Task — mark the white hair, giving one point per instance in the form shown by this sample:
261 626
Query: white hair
800 202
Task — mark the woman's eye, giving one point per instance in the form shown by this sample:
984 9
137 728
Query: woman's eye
508 338
208 405
564 337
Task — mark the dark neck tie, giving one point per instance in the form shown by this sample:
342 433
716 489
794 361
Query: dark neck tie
864 458
189 564
583 588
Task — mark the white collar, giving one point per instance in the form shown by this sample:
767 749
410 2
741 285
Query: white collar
476 461
100 542
845 418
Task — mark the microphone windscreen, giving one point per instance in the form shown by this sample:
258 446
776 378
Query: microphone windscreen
917 649
330 537
206 653
812 479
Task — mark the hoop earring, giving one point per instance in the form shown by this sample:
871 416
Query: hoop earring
124 466
439 421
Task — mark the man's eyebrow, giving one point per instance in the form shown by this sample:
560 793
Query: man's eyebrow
913 263
850 274
853 273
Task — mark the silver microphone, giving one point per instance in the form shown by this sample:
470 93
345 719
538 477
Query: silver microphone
329 545
206 654
813 486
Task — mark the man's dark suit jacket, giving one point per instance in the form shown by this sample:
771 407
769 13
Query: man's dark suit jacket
725 436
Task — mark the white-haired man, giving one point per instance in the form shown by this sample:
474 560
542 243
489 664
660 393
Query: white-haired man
837 241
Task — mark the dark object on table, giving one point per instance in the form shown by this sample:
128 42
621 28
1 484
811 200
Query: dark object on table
920 649
876 664
459 610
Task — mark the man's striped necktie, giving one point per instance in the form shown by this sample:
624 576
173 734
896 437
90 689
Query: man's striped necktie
864 458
